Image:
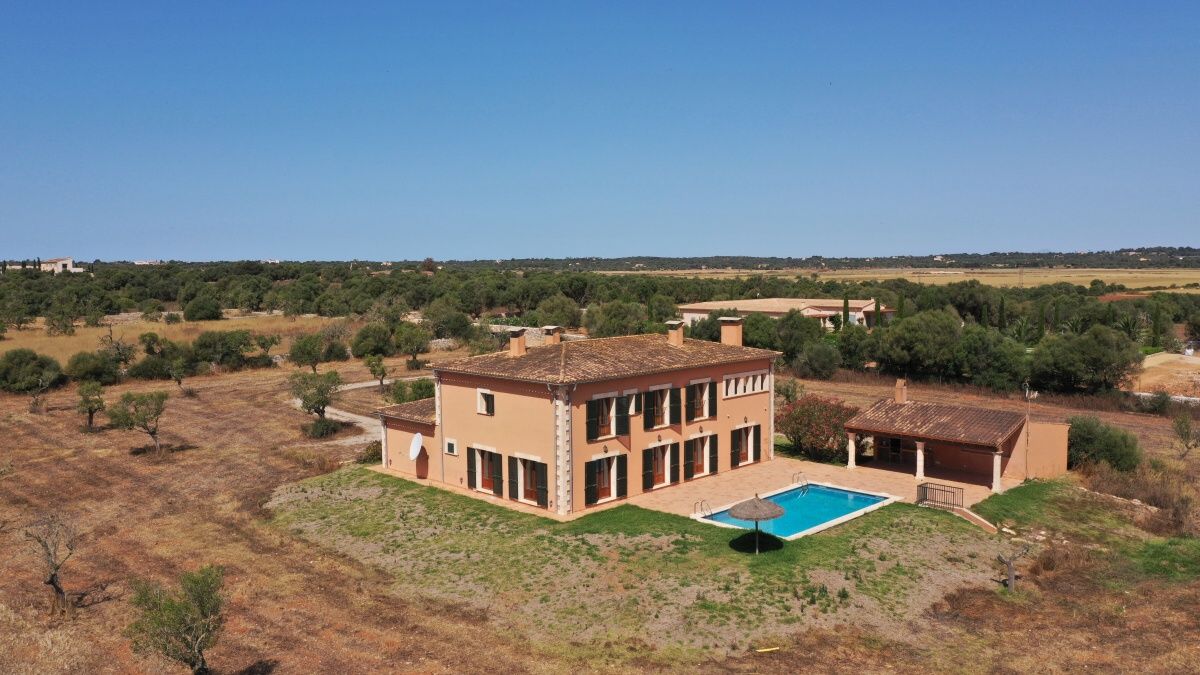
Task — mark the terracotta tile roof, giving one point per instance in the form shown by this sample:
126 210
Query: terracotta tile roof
421 411
936 421
779 305
601 359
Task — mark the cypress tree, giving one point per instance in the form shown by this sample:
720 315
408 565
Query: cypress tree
984 319
900 307
878 314
845 310
1002 319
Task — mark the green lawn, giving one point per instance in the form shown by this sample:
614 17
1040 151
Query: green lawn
634 575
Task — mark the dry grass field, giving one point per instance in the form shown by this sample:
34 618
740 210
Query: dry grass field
1174 373
87 338
1132 278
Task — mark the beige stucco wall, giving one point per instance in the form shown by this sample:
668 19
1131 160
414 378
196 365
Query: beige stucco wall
399 435
1047 443
748 409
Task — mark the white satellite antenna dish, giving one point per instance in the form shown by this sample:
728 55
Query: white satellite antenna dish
414 448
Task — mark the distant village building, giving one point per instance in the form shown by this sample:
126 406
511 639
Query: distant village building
60 265
147 262
862 312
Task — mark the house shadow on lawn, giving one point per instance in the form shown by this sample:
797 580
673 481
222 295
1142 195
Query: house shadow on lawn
744 543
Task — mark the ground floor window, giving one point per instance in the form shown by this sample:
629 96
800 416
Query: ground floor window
529 473
605 479
485 471
660 466
745 445
700 456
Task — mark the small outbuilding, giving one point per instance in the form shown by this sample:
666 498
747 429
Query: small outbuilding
963 443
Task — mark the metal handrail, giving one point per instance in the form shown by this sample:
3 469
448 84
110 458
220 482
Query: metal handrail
942 496
703 508
800 482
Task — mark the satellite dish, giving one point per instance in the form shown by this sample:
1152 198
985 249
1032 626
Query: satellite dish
414 448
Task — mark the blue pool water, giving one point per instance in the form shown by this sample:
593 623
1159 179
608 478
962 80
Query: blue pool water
803 510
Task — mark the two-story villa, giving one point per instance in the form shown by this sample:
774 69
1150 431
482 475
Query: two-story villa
574 424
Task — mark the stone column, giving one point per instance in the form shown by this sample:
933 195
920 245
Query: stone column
850 451
920 460
996 487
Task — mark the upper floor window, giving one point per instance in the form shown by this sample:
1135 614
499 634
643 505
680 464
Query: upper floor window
749 383
701 401
607 416
661 407
486 402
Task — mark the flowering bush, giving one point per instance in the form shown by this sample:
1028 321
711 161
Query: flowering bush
814 426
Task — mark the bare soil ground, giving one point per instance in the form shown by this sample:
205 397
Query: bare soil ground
1175 374
292 607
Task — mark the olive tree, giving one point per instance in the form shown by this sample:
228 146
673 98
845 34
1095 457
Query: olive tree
140 412
180 625
306 351
55 539
91 401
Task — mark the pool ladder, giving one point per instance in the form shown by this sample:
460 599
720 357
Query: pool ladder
702 508
800 482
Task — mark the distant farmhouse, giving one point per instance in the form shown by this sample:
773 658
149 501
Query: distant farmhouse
862 312
60 265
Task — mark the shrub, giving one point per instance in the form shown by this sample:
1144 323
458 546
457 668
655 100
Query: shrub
1091 441
373 339
818 360
815 426
335 351
321 428
855 346
202 308
372 454
415 364
1167 489
93 367
420 389
180 625
151 368
399 391
226 348
24 371
171 318
788 390
1158 403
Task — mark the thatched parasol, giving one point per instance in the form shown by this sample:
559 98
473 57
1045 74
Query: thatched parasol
756 509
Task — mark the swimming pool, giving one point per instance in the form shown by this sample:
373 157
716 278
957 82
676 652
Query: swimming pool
808 509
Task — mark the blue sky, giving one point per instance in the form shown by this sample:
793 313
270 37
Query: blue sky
226 130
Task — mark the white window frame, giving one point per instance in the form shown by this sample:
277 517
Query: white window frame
611 396
612 478
521 460
632 395
451 443
666 404
704 405
746 384
705 439
479 468
480 405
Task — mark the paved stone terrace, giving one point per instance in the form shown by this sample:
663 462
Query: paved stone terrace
743 483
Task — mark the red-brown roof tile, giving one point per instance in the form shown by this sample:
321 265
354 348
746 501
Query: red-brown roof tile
601 359
421 411
936 421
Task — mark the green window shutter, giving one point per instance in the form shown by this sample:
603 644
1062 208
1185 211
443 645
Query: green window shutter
622 415
674 462
712 399
471 468
647 470
490 403
593 420
676 404
712 453
756 433
637 403
622 471
692 392
512 478
497 476
543 486
649 403
735 447
689 458
589 483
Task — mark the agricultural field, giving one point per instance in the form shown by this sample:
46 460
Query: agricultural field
1175 374
1132 278
129 327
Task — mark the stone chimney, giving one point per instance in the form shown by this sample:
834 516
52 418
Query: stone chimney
731 330
675 333
516 342
553 335
901 391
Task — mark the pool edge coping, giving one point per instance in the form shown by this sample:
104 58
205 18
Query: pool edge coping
886 499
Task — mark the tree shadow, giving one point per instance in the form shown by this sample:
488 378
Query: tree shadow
260 667
95 594
167 449
744 543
